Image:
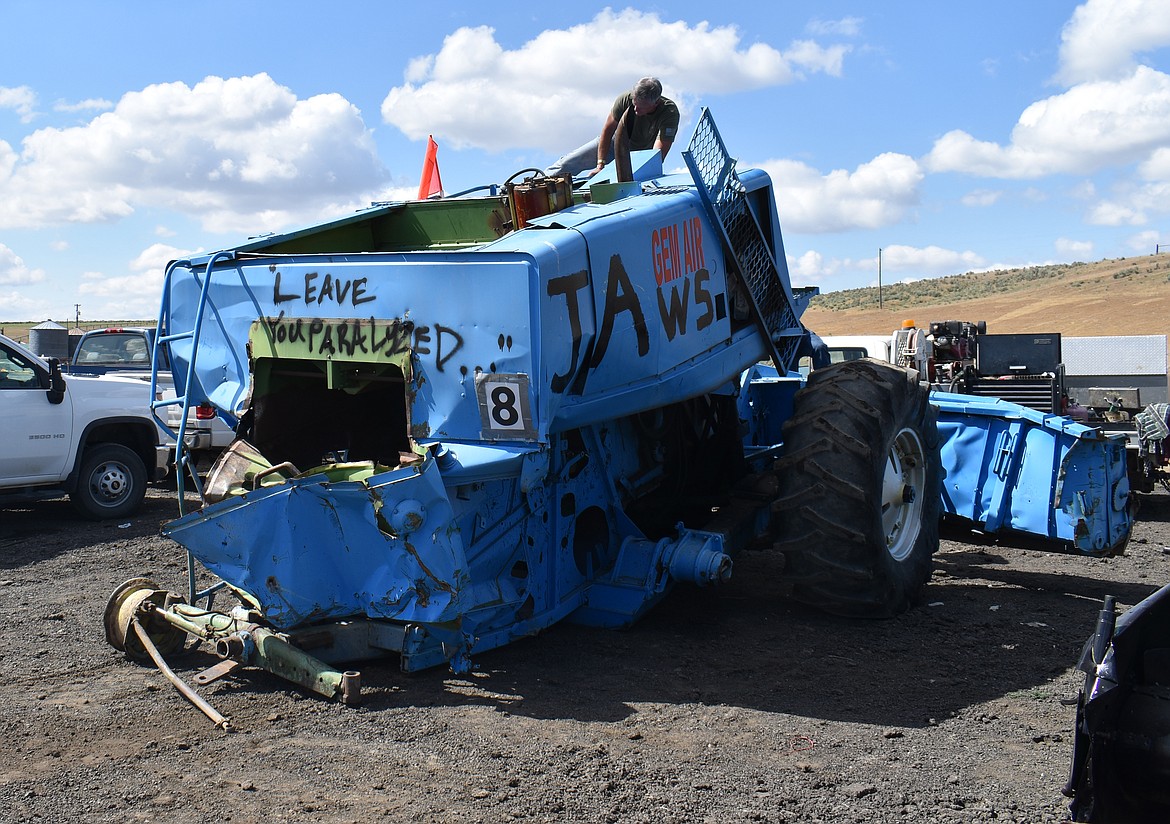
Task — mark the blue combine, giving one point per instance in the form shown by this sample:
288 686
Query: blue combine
462 420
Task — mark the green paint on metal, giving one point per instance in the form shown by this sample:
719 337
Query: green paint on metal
447 224
378 341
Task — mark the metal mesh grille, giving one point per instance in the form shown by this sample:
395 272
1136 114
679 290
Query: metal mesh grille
714 170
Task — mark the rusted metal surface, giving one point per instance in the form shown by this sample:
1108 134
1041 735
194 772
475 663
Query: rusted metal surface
195 698
143 620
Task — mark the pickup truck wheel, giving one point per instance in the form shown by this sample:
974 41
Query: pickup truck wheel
111 482
859 496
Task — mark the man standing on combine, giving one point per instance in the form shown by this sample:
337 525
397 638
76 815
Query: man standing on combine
652 124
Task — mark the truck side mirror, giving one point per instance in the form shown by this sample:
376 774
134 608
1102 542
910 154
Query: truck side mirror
56 390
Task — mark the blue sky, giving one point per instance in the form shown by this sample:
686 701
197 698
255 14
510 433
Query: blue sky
957 136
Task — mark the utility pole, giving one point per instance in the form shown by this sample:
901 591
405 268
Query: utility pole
77 316
879 277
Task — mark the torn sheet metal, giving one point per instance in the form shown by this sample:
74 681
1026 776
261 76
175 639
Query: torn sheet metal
310 549
1010 469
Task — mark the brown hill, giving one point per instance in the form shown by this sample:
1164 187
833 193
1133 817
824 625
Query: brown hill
1128 296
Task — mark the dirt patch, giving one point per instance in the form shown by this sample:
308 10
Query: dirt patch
724 706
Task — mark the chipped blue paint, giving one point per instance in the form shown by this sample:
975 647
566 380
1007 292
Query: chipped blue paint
310 550
1009 468
550 416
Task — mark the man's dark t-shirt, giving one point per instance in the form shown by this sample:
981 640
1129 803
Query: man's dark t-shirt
644 130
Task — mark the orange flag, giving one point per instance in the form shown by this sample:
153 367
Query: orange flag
431 183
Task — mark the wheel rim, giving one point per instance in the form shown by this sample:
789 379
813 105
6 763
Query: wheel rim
110 483
903 493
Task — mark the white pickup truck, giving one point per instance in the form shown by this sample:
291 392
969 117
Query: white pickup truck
126 351
91 438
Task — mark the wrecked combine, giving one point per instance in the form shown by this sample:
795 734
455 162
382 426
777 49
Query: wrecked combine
462 420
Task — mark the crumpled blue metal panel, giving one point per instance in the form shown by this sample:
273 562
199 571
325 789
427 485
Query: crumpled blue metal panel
308 550
1011 468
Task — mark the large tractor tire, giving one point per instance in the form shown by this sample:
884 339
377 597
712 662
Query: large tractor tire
859 490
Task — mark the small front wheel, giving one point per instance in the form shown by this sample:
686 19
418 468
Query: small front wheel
111 482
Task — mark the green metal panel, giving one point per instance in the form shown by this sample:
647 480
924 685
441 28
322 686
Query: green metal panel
403 227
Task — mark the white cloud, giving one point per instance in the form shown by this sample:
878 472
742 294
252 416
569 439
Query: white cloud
241 154
7 162
14 271
926 261
813 267
93 104
1145 241
133 296
20 99
814 57
18 306
1074 248
1157 166
899 264
392 193
553 90
808 267
1090 126
1101 39
845 27
1115 113
982 197
1111 213
1137 202
878 193
1135 206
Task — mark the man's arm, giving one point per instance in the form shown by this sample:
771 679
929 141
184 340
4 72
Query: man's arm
605 142
663 144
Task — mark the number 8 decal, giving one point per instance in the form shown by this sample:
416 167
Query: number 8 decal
503 405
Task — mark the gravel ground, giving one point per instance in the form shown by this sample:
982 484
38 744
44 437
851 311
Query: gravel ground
722 706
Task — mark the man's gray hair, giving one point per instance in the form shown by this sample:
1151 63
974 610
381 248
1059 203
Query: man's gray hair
648 88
